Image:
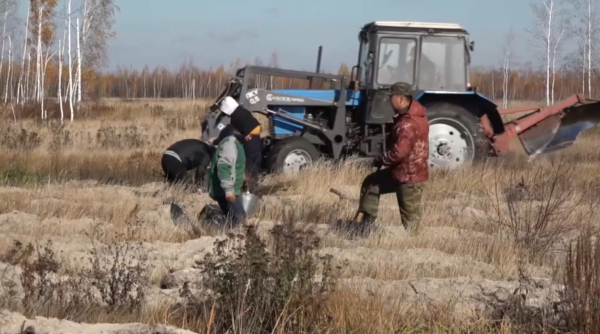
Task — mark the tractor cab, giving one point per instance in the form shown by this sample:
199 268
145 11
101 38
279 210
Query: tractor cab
430 56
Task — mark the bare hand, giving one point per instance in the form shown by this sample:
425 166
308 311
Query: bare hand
230 198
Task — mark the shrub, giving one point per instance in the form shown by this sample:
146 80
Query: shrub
256 290
114 283
110 137
539 209
14 138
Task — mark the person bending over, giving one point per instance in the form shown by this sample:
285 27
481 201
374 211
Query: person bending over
183 156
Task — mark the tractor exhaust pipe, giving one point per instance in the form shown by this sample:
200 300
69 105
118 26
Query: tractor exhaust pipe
319 56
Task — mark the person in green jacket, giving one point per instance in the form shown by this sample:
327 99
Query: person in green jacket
227 170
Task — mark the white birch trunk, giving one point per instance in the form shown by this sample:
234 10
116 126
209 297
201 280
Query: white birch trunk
554 59
39 61
44 68
60 68
78 65
589 38
70 68
3 39
20 89
548 47
583 67
27 85
9 68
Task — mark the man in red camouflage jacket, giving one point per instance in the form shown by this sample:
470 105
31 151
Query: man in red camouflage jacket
406 161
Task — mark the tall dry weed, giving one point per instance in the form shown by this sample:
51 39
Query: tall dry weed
581 294
537 207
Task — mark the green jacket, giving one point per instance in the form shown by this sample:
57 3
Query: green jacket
227 168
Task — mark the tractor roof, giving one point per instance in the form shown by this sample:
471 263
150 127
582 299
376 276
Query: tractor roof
406 25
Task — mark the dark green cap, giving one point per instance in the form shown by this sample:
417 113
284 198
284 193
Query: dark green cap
401 88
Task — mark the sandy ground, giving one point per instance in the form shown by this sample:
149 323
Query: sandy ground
449 263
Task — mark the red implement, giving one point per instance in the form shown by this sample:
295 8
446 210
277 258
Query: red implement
551 128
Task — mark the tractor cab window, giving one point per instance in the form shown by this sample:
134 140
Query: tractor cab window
396 61
365 63
442 64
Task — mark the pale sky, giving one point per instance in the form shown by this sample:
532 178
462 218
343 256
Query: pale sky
158 32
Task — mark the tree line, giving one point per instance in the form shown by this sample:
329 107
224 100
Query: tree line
58 51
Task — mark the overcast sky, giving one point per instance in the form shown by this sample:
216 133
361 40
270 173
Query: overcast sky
159 32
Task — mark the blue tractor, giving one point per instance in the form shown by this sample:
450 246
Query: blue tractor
353 115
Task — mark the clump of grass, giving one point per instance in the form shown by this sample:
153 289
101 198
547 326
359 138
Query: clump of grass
17 174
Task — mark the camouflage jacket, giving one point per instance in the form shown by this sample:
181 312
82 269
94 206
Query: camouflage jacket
408 157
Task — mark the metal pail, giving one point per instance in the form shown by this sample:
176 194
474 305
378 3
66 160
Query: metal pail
249 202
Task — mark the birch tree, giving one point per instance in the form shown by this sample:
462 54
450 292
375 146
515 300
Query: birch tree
585 32
61 52
20 89
555 51
42 31
508 47
8 8
550 23
97 19
70 86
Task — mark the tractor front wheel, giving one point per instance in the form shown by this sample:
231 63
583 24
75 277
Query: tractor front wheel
290 155
456 138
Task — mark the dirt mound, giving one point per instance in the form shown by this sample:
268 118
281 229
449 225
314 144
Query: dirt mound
464 296
410 263
11 322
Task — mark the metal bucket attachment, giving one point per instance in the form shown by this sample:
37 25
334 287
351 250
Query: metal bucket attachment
560 130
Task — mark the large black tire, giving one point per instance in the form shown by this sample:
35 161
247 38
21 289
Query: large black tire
469 129
281 149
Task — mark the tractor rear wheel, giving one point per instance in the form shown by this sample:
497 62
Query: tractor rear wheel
456 138
290 155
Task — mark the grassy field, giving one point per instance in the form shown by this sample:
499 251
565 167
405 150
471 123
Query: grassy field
92 189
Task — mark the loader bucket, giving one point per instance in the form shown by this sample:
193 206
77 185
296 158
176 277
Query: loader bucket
557 127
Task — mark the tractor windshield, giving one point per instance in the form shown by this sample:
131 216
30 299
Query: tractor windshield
443 63
396 60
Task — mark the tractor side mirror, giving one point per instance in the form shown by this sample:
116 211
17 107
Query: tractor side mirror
472 46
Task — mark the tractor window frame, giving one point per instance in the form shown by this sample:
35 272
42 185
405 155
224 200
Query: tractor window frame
409 42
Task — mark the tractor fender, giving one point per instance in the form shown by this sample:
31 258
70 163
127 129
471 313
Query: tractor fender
472 101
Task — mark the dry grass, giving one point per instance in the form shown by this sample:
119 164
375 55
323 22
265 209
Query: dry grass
93 180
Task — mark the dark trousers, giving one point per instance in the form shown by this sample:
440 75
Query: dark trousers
234 211
409 197
253 152
174 170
